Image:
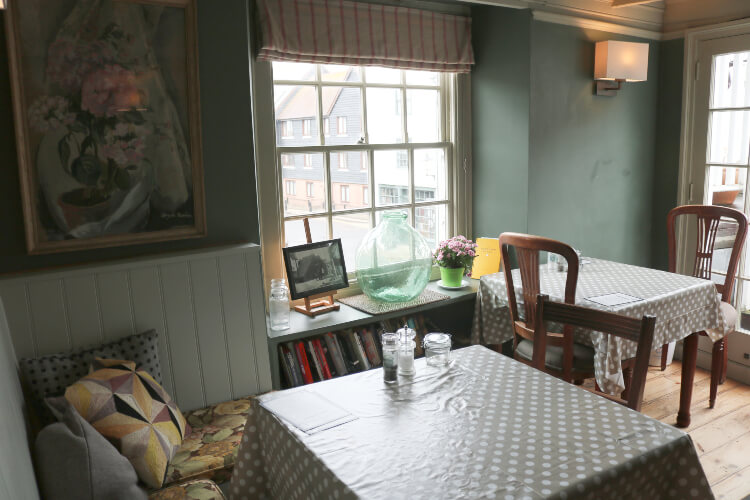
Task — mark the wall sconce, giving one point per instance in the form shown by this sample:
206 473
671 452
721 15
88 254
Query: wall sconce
617 62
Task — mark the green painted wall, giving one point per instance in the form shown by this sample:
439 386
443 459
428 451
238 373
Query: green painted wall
500 119
223 37
591 159
667 165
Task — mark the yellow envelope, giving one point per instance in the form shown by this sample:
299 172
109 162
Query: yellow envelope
488 257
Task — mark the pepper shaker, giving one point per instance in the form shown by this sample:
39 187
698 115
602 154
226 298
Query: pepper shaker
390 357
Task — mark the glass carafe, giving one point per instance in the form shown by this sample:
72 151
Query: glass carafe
393 261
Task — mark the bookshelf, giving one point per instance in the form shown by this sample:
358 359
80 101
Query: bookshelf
303 327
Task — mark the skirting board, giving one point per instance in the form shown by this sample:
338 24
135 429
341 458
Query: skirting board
735 371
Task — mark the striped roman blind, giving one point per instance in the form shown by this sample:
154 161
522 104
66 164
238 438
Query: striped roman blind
347 32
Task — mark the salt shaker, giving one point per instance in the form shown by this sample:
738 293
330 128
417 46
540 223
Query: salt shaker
406 346
278 304
390 357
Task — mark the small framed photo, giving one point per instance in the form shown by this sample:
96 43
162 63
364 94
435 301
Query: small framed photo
315 268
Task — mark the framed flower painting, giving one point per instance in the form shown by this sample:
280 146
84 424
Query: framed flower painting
106 105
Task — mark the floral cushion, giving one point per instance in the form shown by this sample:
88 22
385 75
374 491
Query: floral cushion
210 450
200 489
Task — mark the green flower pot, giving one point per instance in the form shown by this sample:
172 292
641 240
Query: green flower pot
452 276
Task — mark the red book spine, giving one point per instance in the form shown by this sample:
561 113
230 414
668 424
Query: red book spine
322 358
303 364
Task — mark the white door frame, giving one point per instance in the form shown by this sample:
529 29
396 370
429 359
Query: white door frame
687 192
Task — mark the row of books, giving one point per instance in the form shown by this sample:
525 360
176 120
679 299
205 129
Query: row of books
335 354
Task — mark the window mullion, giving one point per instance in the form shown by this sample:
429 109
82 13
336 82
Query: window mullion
319 91
329 191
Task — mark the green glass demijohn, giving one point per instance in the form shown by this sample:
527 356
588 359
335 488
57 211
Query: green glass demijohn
393 261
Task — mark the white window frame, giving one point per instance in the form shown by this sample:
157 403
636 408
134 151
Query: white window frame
290 187
456 130
342 161
287 161
346 195
310 188
287 129
341 126
307 124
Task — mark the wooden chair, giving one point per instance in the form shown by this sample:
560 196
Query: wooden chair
635 330
564 358
708 218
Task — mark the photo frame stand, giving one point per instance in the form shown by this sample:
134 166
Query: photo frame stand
311 308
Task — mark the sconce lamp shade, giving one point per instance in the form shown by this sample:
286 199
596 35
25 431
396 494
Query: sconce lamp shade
623 61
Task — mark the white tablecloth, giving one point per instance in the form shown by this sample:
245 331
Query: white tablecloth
485 427
682 305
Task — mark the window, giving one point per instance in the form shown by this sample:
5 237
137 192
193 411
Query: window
287 129
306 128
341 125
310 191
369 154
402 159
291 188
287 161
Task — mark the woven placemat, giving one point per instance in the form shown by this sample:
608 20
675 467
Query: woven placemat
366 304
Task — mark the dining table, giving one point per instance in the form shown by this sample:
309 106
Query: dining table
683 306
482 426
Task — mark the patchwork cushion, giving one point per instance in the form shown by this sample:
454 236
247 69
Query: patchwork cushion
200 489
48 376
74 461
583 356
211 448
130 409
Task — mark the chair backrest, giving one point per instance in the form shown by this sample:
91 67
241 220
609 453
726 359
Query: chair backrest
527 248
640 331
708 218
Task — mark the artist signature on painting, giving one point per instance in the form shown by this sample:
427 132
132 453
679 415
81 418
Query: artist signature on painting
177 215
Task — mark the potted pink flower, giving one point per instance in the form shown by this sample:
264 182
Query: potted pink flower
454 256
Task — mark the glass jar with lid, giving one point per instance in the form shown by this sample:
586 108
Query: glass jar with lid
437 349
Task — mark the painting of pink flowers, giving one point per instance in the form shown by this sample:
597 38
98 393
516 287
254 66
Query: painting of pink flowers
107 121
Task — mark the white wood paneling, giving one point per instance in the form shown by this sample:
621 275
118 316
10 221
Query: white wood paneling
208 308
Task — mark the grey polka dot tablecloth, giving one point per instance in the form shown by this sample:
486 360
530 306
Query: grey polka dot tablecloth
486 426
682 305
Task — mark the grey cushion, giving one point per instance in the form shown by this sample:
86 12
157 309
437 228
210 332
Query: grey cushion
50 375
75 462
583 356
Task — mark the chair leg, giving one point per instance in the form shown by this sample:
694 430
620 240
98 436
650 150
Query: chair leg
664 352
725 361
627 375
717 356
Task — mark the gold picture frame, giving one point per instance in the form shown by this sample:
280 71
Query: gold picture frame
107 118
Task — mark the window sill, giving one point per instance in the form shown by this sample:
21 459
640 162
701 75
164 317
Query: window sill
302 326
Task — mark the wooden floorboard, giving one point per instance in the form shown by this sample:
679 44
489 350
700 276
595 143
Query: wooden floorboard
721 435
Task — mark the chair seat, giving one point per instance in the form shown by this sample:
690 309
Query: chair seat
583 356
210 450
730 317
